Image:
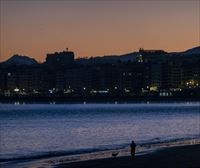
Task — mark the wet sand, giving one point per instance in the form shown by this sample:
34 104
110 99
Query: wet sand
172 157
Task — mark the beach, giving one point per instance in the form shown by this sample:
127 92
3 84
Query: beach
181 156
86 135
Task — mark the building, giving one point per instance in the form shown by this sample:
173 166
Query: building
155 76
58 60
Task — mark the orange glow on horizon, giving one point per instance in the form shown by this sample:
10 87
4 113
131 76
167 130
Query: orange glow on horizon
97 28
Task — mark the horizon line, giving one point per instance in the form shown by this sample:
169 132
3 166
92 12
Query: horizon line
88 57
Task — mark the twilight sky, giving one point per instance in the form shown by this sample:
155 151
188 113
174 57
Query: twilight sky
92 28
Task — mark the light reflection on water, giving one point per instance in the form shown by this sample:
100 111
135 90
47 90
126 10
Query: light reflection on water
32 129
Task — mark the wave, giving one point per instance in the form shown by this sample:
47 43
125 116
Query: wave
142 146
43 155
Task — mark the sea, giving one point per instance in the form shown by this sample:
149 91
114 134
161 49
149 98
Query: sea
35 131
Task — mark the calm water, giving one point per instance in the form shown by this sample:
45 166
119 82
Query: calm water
33 130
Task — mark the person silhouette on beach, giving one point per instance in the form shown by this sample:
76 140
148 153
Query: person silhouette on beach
133 146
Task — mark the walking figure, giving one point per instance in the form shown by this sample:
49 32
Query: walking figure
133 146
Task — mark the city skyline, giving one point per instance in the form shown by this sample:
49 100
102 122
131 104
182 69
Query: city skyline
98 56
97 28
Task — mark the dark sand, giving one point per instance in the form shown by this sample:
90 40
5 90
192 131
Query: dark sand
173 157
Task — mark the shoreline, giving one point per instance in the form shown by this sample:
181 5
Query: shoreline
180 157
96 157
96 99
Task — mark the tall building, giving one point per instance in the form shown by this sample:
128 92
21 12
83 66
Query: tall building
191 75
156 75
2 80
152 55
58 60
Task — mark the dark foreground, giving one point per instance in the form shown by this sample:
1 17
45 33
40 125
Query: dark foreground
175 157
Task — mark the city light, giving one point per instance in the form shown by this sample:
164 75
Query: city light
16 90
192 83
147 78
153 88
